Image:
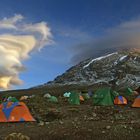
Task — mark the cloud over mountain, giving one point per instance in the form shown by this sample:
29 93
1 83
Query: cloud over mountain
124 36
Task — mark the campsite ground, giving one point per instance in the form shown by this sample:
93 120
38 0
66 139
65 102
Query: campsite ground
63 121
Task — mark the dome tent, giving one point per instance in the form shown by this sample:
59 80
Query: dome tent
74 98
104 96
120 100
14 112
136 102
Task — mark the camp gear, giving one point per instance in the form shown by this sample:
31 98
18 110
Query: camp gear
81 98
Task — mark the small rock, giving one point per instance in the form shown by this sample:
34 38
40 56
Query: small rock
76 127
41 123
75 119
61 122
94 114
90 118
47 123
78 123
108 127
103 132
132 121
95 107
125 126
17 136
73 122
112 121
85 117
90 130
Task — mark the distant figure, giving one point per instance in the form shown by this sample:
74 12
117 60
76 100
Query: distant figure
138 90
90 93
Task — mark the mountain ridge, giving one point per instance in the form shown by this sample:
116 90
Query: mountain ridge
120 69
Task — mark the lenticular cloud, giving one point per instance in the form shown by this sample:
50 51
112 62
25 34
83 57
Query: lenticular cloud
17 40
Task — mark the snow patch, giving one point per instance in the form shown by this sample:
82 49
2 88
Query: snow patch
99 58
120 59
123 57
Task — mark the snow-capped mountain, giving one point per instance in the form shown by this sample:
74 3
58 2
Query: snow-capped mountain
121 69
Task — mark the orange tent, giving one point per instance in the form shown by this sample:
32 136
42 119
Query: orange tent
81 98
14 112
120 100
136 102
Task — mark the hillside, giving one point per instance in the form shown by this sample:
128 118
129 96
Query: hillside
119 69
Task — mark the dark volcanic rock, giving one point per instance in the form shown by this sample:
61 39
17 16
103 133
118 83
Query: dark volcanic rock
121 69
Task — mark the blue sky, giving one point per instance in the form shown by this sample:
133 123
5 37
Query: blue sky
72 22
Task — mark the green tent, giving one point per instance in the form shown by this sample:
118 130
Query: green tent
67 94
74 98
104 96
12 99
53 99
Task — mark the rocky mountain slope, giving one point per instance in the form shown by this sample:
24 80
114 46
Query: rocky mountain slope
121 69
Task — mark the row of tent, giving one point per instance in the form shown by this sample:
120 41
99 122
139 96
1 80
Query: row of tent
103 96
13 110
13 99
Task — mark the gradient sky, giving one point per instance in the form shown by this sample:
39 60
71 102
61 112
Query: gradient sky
72 22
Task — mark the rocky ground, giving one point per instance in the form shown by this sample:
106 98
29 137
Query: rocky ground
62 121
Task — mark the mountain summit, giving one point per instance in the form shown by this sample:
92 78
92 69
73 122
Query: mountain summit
121 69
